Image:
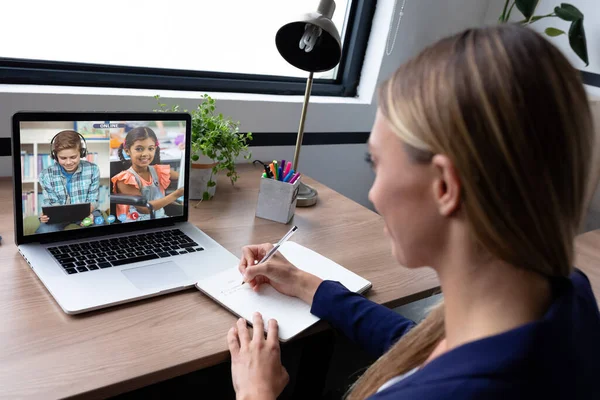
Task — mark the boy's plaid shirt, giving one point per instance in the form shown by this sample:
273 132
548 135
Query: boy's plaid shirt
85 185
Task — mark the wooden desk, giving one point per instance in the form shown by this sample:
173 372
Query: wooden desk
587 258
46 353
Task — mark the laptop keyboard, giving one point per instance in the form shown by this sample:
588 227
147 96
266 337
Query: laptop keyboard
106 253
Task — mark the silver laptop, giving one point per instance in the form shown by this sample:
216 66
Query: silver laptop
134 244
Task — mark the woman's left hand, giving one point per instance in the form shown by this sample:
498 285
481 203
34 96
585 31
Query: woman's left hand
256 366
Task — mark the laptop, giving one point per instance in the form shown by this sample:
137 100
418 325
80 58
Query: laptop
67 213
122 252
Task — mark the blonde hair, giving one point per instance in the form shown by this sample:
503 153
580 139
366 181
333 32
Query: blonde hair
511 113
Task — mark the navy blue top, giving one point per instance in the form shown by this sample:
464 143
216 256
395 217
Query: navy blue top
556 357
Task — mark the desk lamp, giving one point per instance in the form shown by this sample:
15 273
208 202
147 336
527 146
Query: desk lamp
311 43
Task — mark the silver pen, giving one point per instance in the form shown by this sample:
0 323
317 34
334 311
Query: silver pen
276 247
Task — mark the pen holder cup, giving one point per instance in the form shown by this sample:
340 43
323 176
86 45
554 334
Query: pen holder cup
277 200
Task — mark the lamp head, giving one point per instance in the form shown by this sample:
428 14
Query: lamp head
312 42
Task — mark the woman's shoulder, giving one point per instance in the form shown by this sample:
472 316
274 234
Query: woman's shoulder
560 347
460 388
582 285
575 305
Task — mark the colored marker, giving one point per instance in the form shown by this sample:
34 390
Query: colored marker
287 169
280 174
273 174
275 164
289 176
295 178
267 171
264 175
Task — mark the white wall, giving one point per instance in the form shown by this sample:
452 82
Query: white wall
424 22
591 11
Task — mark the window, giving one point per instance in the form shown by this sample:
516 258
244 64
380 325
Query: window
225 45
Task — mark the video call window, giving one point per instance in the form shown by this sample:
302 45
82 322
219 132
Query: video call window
72 173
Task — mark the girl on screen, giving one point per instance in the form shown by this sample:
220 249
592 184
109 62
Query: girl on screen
144 176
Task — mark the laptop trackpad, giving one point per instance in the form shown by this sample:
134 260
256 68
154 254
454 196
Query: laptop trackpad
165 275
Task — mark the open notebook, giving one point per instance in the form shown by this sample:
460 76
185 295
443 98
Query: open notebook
292 314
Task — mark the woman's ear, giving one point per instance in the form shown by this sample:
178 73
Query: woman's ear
446 185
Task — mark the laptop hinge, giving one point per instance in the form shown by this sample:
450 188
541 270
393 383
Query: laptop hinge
92 235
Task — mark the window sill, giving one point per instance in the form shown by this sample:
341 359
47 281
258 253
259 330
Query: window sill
175 94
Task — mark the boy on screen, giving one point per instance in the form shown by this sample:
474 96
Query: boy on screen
70 180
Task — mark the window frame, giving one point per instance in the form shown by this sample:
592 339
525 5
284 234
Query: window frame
358 28
590 78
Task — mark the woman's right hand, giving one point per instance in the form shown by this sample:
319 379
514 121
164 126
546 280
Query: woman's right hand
278 272
44 219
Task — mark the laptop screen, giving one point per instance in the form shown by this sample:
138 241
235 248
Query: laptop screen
125 172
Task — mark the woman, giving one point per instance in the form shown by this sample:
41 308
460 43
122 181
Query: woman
481 148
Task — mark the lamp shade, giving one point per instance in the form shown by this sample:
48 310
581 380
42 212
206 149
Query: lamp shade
327 50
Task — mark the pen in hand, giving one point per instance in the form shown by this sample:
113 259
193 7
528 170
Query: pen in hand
271 252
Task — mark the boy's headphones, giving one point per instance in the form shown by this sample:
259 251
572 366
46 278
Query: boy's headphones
82 147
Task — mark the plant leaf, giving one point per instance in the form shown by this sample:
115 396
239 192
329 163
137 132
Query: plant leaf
507 18
578 41
534 18
553 32
503 16
568 12
527 7
215 136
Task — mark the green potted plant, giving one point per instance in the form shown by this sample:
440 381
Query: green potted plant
216 143
565 11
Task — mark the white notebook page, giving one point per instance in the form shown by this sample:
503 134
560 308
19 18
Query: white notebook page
292 314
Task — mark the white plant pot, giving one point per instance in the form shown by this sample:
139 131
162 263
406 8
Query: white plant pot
199 176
